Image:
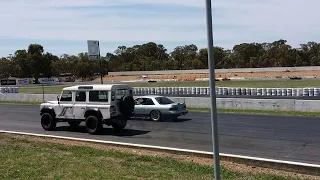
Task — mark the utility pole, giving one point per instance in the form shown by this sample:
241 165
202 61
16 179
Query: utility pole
211 63
101 74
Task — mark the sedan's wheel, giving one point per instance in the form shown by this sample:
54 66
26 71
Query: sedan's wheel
155 115
48 122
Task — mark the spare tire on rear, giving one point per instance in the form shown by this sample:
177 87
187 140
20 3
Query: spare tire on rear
127 106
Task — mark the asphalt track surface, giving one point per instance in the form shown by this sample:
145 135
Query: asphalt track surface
275 137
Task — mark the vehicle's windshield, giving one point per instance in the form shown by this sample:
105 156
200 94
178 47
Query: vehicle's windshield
164 100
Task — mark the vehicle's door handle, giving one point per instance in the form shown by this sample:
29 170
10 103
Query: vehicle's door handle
83 108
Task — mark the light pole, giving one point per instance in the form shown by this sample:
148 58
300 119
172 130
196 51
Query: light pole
101 71
214 122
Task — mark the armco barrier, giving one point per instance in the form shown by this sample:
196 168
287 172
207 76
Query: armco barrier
205 91
230 91
204 102
9 89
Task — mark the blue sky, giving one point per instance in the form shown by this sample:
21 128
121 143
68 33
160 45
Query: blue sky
64 26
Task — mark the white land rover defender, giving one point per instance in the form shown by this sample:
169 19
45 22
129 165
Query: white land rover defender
110 104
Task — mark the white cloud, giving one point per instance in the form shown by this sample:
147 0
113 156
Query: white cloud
234 21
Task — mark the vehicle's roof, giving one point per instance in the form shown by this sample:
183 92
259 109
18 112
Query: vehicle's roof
96 86
149 96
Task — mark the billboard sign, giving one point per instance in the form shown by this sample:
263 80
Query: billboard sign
52 80
24 81
6 82
93 49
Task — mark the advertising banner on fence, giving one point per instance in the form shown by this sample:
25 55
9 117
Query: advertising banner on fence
24 81
7 82
52 80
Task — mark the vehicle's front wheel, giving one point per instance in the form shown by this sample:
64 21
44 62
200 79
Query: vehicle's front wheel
48 122
93 125
155 115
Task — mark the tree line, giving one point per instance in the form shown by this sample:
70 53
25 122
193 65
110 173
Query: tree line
34 62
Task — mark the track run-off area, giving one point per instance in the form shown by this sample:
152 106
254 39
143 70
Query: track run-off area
280 138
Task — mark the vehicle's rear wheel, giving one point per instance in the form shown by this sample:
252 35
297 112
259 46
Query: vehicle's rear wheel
119 124
93 125
48 122
74 123
118 127
155 115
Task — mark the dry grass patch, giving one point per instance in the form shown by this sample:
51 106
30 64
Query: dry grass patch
218 75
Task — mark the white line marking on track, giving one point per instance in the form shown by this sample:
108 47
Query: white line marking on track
166 148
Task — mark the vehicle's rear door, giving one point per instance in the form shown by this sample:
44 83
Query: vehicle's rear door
138 107
148 106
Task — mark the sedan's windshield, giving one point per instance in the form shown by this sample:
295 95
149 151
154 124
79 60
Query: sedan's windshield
164 100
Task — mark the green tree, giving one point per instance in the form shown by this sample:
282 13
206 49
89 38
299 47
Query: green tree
22 66
85 67
182 54
34 62
5 68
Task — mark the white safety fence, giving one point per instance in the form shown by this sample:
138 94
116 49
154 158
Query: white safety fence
231 91
9 89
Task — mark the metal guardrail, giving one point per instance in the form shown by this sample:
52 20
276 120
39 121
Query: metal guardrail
229 91
236 96
9 89
221 92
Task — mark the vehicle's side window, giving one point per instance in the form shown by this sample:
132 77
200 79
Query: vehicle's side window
119 93
81 96
113 96
66 96
148 102
98 96
139 101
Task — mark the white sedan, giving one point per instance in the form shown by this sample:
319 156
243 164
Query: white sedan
158 107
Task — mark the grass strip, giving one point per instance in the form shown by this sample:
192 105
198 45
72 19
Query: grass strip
230 111
25 159
264 112
21 102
